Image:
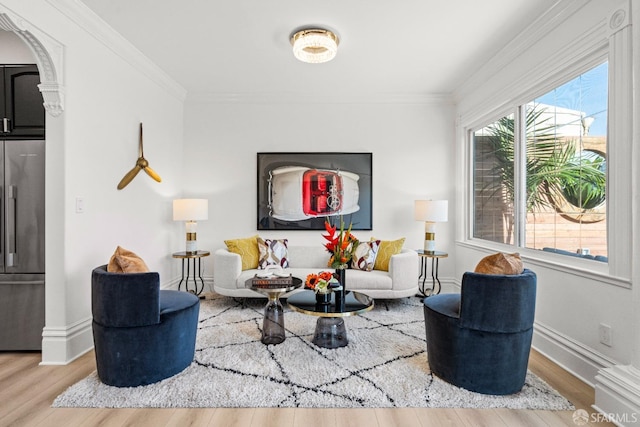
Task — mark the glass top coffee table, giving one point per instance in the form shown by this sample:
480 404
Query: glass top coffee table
330 330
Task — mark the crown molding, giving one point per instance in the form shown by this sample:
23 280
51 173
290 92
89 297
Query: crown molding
299 98
86 19
544 24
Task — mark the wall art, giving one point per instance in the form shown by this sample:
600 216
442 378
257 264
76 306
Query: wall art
299 191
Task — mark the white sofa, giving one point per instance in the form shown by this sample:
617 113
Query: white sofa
400 281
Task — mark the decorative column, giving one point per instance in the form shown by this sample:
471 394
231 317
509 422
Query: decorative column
618 388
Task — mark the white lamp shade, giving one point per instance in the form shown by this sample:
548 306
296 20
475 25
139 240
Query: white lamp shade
431 210
190 209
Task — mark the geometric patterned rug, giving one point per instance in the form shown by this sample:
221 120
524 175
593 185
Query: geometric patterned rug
384 365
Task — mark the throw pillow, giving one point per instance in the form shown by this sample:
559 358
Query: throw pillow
247 249
387 249
273 252
364 257
500 263
125 261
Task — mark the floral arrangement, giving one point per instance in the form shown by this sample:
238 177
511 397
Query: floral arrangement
321 282
340 245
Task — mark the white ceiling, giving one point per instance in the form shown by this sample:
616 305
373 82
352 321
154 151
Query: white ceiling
419 47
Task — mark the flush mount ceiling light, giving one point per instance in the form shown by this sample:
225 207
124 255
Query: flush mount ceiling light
314 45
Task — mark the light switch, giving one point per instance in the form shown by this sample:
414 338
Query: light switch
79 205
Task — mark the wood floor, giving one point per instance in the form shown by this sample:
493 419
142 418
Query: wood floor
27 390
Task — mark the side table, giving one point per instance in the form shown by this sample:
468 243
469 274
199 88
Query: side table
435 281
190 258
273 331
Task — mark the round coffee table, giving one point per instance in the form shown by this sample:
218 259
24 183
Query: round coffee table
273 321
330 330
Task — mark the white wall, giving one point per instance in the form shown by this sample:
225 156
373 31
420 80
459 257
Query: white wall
109 89
89 148
574 296
13 50
411 144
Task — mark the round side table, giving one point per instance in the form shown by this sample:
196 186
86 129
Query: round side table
435 281
190 258
273 331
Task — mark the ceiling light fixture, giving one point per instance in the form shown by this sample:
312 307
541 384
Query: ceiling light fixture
314 45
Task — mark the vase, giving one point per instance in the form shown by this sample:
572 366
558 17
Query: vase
340 276
323 298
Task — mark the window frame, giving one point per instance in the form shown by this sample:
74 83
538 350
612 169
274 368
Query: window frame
519 202
560 68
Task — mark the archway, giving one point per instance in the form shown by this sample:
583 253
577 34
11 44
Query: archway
49 59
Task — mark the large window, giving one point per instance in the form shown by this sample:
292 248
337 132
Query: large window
539 174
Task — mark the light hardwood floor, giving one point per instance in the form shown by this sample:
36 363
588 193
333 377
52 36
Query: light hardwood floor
27 391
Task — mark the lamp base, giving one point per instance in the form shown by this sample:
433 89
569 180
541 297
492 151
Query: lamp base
192 245
429 236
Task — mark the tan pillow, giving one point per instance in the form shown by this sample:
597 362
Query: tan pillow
500 263
387 249
247 249
125 261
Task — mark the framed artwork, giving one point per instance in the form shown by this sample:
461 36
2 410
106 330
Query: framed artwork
299 191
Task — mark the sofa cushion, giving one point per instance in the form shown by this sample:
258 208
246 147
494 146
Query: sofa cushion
315 257
273 252
247 248
387 249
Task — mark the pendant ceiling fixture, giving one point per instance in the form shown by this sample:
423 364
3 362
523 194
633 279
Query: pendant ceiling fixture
314 45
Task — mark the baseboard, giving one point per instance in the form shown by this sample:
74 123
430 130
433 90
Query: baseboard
450 285
573 356
173 284
618 395
62 345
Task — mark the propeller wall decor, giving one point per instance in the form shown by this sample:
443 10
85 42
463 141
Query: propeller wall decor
141 164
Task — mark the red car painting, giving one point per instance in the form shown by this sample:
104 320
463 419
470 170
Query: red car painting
297 193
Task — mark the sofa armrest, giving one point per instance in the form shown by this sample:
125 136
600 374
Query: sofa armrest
404 270
227 266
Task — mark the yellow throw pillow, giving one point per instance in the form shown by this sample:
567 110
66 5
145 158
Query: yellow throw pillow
387 249
500 264
247 249
125 261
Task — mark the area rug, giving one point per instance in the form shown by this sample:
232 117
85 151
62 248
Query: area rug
384 365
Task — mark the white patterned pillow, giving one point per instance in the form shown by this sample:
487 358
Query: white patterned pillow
364 257
273 252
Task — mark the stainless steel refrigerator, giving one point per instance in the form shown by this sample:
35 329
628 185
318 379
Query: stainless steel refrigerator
22 182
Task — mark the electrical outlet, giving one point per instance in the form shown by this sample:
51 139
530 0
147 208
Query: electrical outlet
605 334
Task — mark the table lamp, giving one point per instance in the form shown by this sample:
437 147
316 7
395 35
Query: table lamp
430 211
191 210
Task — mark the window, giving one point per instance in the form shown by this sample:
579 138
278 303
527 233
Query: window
539 174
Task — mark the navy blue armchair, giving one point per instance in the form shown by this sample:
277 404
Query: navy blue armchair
141 334
480 339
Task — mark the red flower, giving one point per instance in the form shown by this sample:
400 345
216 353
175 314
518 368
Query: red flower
325 275
341 246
